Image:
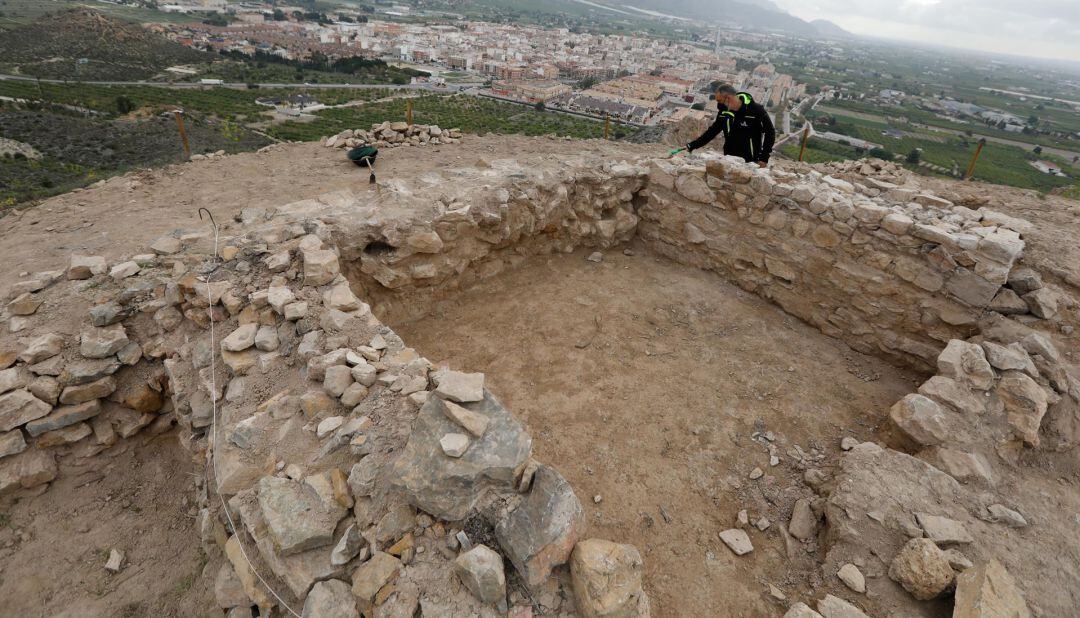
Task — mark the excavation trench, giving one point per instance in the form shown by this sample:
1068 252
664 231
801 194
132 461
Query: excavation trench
657 389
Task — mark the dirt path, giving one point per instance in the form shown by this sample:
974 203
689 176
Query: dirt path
53 547
644 381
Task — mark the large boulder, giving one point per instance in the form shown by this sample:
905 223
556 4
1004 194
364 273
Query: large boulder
449 487
540 533
607 580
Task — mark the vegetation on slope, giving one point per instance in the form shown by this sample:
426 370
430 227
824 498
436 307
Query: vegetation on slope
84 44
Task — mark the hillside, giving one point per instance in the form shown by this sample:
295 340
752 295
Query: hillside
84 44
758 15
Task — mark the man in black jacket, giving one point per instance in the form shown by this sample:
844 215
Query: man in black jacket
748 130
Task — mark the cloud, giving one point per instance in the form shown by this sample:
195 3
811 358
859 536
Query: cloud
1048 28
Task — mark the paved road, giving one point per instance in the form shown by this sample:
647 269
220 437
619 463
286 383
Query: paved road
240 86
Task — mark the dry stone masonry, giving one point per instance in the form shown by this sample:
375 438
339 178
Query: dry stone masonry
355 470
394 134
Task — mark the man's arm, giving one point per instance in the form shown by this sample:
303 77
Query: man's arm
769 136
721 124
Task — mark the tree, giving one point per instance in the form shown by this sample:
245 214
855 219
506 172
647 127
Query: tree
586 83
881 153
1037 150
540 107
1033 120
914 157
124 105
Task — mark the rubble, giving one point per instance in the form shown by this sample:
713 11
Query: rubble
394 134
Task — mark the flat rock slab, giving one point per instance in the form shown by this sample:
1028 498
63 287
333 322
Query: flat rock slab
460 387
942 530
28 469
19 407
296 517
380 570
988 591
737 541
446 487
835 607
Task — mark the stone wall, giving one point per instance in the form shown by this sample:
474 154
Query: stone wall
896 275
322 409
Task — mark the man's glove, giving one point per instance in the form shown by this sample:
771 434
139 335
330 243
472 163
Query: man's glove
677 151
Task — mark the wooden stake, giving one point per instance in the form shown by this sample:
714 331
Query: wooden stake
179 115
805 138
974 159
408 112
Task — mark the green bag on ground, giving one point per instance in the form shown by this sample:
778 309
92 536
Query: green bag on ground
363 155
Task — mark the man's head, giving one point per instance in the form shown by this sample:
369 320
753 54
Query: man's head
725 95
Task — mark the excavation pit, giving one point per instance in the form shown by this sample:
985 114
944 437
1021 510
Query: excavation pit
659 389
757 314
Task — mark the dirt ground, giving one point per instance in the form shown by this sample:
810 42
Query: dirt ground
643 381
125 215
138 499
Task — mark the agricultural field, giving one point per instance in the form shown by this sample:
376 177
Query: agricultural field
998 163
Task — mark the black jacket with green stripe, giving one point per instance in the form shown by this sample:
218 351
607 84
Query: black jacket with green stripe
748 132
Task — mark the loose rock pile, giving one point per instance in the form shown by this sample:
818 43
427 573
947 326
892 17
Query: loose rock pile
393 134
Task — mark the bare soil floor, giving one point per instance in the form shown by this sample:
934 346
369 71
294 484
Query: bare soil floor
643 382
138 499
127 214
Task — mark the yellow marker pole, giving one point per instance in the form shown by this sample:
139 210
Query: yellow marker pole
805 138
179 115
974 159
607 127
408 112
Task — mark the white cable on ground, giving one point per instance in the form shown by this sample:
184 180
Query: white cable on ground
213 432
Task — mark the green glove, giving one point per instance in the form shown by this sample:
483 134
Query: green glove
676 151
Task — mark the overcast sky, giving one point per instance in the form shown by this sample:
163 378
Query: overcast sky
1045 28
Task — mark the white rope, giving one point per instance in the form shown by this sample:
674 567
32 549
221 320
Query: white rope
214 432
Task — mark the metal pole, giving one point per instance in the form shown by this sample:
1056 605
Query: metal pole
607 127
408 112
805 138
179 115
974 159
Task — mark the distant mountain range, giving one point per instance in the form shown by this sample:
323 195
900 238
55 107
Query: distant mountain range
757 14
